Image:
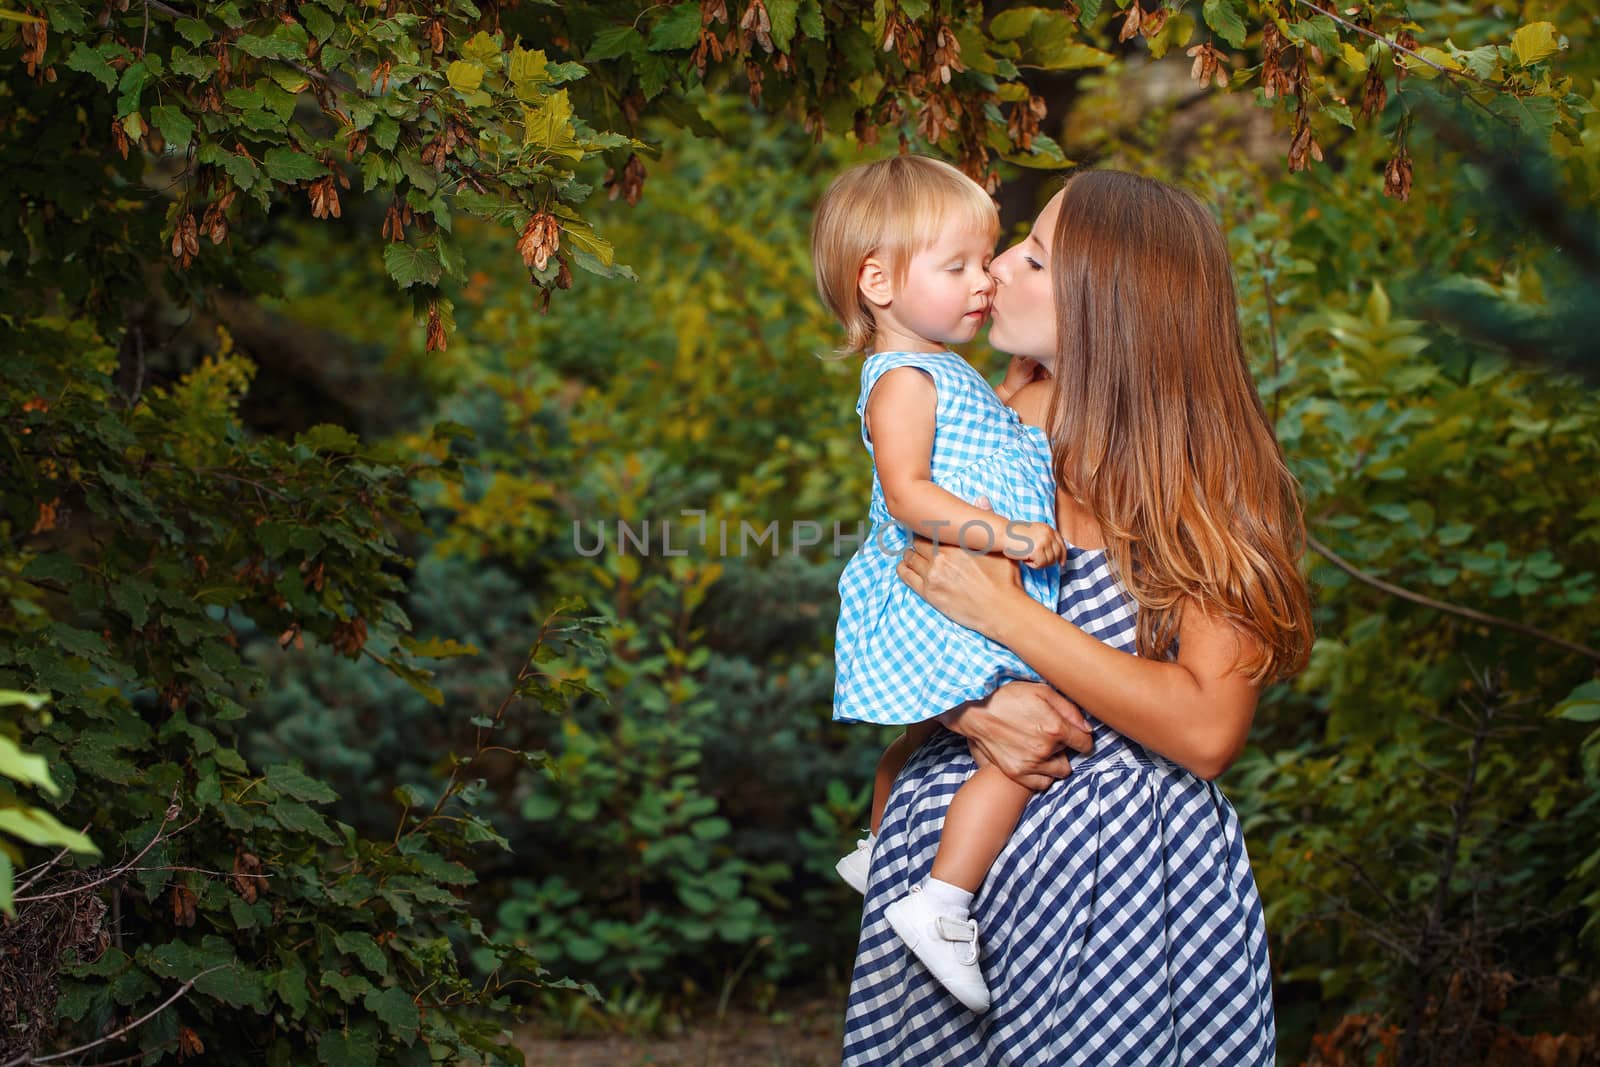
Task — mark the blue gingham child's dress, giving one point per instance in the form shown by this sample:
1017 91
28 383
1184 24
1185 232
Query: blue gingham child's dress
898 659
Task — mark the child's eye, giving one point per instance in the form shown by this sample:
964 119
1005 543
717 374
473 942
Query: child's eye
957 268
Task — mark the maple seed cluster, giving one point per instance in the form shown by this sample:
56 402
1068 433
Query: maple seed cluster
186 240
541 239
1142 22
630 183
1210 65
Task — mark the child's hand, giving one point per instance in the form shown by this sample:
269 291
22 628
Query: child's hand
1020 372
1035 543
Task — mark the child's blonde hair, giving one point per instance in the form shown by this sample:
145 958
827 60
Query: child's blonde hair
892 208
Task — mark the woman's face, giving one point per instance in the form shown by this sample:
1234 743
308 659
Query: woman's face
1023 309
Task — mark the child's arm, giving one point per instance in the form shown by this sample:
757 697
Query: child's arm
900 420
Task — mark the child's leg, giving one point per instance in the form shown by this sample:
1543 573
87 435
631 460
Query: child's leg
894 757
982 815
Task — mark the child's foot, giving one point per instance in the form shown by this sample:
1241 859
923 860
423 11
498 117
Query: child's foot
946 944
855 867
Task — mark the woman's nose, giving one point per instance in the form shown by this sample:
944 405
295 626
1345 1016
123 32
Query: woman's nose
1000 268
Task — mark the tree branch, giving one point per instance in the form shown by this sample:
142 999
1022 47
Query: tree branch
27 1058
1440 605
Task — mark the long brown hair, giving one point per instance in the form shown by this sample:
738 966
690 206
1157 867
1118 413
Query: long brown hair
1158 428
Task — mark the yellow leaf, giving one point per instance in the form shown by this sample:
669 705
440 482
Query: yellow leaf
1354 58
527 67
465 76
1533 42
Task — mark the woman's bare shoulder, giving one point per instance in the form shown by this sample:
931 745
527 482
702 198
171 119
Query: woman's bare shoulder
1032 402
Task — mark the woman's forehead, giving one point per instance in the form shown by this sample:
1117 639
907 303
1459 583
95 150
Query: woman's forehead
1044 227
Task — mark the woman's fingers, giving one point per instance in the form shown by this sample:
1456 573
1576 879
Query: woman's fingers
1073 727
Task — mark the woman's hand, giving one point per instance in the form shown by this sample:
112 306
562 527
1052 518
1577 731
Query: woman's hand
972 588
1027 729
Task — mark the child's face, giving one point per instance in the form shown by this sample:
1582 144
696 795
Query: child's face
945 295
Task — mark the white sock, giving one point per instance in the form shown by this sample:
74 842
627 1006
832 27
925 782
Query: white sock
947 899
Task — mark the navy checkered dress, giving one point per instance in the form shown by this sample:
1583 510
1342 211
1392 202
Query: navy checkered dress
898 659
1121 925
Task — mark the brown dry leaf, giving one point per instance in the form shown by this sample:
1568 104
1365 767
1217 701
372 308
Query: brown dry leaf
437 339
183 901
752 73
1373 93
1407 40
348 637
245 866
47 516
189 1044
1154 22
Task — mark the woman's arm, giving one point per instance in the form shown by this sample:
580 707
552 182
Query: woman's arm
1195 711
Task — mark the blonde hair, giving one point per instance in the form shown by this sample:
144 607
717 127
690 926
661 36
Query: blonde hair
1158 428
892 209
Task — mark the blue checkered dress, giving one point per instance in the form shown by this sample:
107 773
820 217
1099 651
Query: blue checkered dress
1120 927
897 659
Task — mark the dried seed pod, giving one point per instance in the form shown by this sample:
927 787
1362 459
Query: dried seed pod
1130 22
1397 176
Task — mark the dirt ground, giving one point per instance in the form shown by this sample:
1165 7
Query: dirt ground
806 1037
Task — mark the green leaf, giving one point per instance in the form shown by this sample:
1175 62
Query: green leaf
329 437
679 28
397 1010
296 783
410 264
90 61
356 1048
195 31
287 165
23 767
1581 705
1225 17
364 948
176 127
295 816
273 47
437 648
783 15
1534 42
41 828
614 41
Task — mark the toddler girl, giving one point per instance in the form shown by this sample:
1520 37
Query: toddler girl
901 250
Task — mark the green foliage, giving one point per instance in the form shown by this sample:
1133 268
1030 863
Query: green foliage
296 931
661 852
448 113
23 822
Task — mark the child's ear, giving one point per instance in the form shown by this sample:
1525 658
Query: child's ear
874 283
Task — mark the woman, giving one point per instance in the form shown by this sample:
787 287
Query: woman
1122 922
